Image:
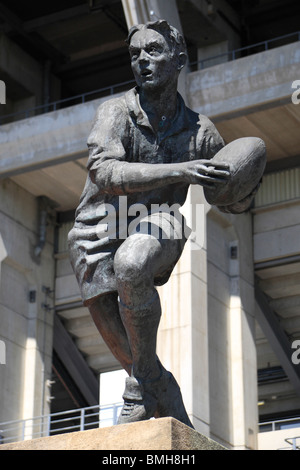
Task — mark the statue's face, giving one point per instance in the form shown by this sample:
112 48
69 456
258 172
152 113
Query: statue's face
152 60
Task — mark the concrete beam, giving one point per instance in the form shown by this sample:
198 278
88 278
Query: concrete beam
245 85
47 139
277 337
75 363
280 243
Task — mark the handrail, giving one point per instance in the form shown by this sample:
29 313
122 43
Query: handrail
292 441
233 53
78 419
274 423
53 106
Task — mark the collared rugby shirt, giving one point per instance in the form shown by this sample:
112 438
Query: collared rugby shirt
122 134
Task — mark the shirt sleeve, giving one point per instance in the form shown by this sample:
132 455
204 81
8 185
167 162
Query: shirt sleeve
106 144
209 141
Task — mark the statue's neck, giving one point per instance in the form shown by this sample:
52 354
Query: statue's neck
160 107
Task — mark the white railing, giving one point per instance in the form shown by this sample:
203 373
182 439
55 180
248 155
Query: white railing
279 424
57 423
294 443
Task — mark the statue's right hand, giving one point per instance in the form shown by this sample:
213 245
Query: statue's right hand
206 173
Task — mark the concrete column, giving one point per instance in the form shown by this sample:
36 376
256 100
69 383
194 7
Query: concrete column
136 12
183 335
3 253
232 351
141 11
199 311
26 325
31 405
242 357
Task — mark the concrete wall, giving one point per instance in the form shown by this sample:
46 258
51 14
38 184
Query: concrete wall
247 83
275 440
26 327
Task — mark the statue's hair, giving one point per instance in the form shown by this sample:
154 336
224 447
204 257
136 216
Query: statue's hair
171 34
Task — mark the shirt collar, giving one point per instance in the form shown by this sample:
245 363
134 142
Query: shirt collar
136 112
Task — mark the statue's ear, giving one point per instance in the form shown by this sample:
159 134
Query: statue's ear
182 60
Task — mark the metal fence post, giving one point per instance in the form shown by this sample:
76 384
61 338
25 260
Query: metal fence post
114 415
48 425
23 430
82 419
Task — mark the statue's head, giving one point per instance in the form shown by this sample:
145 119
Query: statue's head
158 53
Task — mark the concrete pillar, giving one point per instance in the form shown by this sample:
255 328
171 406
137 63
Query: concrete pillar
25 325
31 405
232 351
3 253
183 334
141 11
136 12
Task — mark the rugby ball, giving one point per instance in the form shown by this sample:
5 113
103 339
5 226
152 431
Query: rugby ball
246 158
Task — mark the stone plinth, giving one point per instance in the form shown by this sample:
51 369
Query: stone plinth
158 434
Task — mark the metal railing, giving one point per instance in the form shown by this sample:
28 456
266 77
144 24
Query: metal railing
245 51
294 443
57 423
118 87
280 424
66 102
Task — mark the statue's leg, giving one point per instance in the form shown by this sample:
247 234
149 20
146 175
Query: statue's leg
151 390
105 313
139 306
136 262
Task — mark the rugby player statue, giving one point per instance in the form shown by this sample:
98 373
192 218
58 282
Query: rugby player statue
148 147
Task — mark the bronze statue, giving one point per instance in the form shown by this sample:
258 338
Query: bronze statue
145 147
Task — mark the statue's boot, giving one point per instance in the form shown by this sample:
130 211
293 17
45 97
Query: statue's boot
139 405
141 323
169 398
147 395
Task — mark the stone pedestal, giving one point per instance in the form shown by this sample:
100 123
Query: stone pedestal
152 435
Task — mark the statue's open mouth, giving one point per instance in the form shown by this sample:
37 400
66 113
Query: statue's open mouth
146 73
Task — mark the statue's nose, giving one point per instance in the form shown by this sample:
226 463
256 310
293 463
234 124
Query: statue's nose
143 57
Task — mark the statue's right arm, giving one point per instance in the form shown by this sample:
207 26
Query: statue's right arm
110 171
